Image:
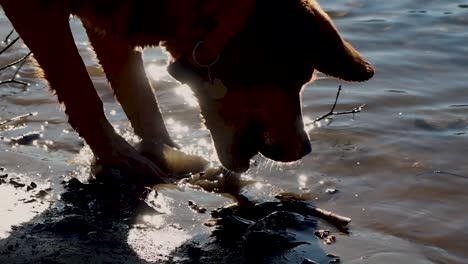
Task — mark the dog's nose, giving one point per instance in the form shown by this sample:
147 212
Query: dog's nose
290 150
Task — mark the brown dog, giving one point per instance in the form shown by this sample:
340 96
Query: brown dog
247 61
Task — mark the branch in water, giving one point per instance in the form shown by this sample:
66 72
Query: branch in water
9 45
332 113
13 77
17 118
7 38
21 61
16 62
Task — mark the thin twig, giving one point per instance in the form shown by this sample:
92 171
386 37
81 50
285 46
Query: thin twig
332 113
13 78
7 38
15 62
14 81
443 172
22 61
333 107
9 45
17 118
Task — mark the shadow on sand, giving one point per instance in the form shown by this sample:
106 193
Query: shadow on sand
90 223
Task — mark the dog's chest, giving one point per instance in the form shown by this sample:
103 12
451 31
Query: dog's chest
96 7
110 16
139 22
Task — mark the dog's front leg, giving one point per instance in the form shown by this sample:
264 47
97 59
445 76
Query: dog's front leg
124 68
45 30
125 71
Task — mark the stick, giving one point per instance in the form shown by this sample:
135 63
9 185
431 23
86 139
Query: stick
304 208
6 40
21 61
16 62
335 219
332 113
17 118
9 45
443 172
14 81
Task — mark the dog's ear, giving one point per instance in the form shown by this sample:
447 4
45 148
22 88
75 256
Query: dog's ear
332 55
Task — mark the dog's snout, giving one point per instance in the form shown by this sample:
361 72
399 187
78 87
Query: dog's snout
286 149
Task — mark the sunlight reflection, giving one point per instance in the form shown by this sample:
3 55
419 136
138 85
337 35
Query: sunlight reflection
204 143
17 206
155 245
84 158
310 124
157 236
259 185
302 180
204 151
169 121
178 128
186 93
161 203
307 120
156 72
156 221
201 147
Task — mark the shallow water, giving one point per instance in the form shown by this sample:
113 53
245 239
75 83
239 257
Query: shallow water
399 166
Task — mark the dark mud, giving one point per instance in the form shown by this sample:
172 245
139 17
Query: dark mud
90 223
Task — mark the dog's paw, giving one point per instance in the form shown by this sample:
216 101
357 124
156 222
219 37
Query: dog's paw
125 163
172 160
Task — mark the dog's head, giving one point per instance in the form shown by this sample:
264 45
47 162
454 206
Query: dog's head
264 68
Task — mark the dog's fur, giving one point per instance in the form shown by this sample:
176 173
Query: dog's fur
263 66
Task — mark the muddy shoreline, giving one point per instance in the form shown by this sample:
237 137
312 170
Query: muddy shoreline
91 222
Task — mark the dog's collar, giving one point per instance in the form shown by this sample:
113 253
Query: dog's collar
197 62
194 68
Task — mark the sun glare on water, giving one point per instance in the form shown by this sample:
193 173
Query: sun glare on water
156 235
13 212
156 72
159 73
186 93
